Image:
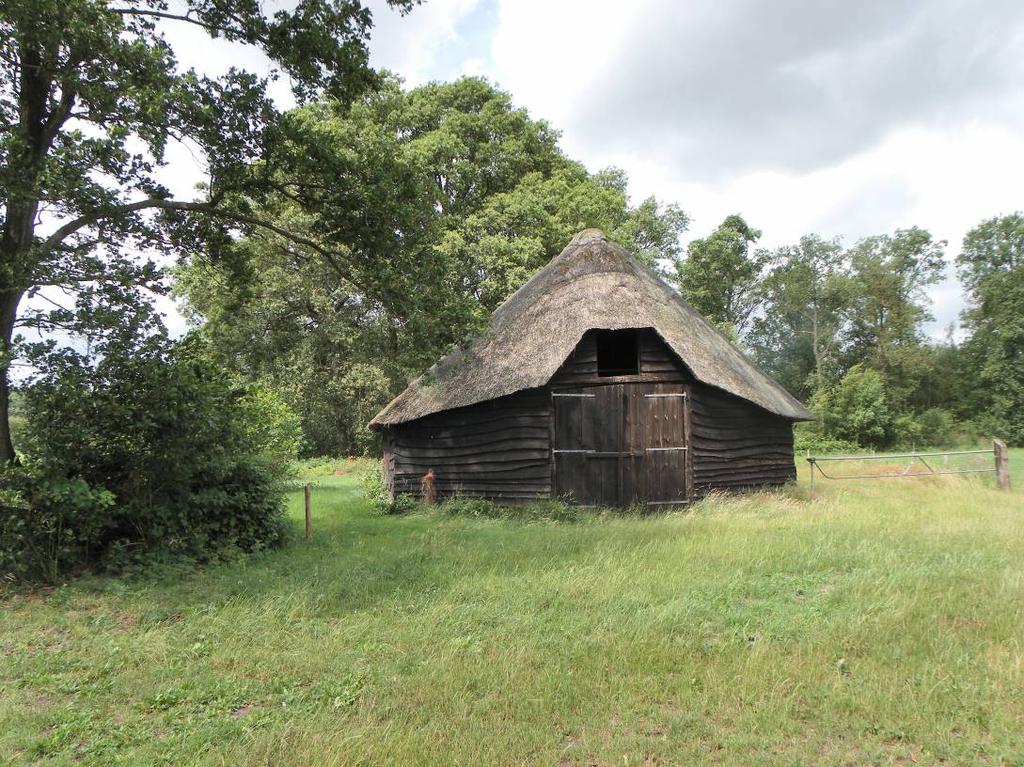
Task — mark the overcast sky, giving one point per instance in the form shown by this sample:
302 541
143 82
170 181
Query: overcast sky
844 119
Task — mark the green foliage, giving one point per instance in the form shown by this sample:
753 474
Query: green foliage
807 438
48 523
469 197
887 304
379 497
146 446
720 275
991 267
92 97
906 431
857 410
938 428
268 425
794 337
551 510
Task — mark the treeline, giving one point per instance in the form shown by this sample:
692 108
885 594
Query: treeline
473 196
842 328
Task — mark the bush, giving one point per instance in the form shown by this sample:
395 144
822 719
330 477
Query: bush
47 522
938 428
807 439
857 410
268 426
907 431
547 510
376 492
146 447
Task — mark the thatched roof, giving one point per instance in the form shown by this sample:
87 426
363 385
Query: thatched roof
593 283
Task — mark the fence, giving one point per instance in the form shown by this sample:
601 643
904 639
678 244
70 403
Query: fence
1000 465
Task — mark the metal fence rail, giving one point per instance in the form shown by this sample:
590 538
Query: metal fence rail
1000 465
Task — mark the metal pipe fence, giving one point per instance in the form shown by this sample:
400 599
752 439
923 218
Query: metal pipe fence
1000 465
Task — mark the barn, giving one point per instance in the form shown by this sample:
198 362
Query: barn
595 382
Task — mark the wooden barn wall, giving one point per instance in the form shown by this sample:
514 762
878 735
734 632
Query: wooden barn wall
734 444
498 450
657 363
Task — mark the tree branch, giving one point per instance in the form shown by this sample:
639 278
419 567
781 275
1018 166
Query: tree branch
54 240
172 17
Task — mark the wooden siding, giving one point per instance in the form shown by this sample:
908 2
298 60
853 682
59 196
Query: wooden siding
657 364
735 444
499 450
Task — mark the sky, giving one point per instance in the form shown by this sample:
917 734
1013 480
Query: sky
842 119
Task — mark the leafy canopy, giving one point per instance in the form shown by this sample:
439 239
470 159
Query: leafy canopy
991 268
91 99
721 273
438 202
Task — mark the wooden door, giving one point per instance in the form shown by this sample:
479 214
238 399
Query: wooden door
586 443
618 444
662 433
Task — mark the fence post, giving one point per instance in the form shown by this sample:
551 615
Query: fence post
309 512
810 462
1002 464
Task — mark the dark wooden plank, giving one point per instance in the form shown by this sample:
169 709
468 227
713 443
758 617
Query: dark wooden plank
735 444
498 449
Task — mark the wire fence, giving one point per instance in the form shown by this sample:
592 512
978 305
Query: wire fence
905 465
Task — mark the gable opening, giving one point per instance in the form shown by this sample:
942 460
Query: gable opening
618 352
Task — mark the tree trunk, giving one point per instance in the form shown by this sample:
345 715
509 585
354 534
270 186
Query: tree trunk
9 301
814 345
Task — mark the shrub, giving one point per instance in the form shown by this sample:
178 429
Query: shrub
907 431
546 510
807 439
938 428
857 410
376 492
268 426
47 522
145 447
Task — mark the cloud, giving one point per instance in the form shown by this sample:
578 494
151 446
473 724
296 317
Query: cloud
417 45
723 88
843 119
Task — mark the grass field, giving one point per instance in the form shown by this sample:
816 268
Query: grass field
877 623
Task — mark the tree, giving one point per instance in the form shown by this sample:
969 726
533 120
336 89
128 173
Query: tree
889 276
481 197
795 336
991 269
90 99
721 274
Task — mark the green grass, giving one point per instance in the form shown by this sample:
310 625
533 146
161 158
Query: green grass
877 623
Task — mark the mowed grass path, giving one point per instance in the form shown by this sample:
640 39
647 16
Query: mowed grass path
878 623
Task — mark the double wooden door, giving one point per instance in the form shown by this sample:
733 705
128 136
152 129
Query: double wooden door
619 444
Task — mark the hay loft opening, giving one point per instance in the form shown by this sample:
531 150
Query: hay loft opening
618 352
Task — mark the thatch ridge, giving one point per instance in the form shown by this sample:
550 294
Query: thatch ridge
592 283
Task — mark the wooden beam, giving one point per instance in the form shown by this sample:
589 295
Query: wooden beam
1002 457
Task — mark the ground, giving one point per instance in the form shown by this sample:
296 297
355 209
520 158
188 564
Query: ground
875 623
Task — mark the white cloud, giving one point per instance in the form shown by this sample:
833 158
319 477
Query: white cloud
830 118
415 45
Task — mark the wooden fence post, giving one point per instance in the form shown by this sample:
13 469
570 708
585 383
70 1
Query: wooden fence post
1002 464
309 512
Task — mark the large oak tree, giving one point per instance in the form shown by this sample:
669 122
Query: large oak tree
92 95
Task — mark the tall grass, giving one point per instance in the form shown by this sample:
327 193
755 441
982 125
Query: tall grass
875 623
